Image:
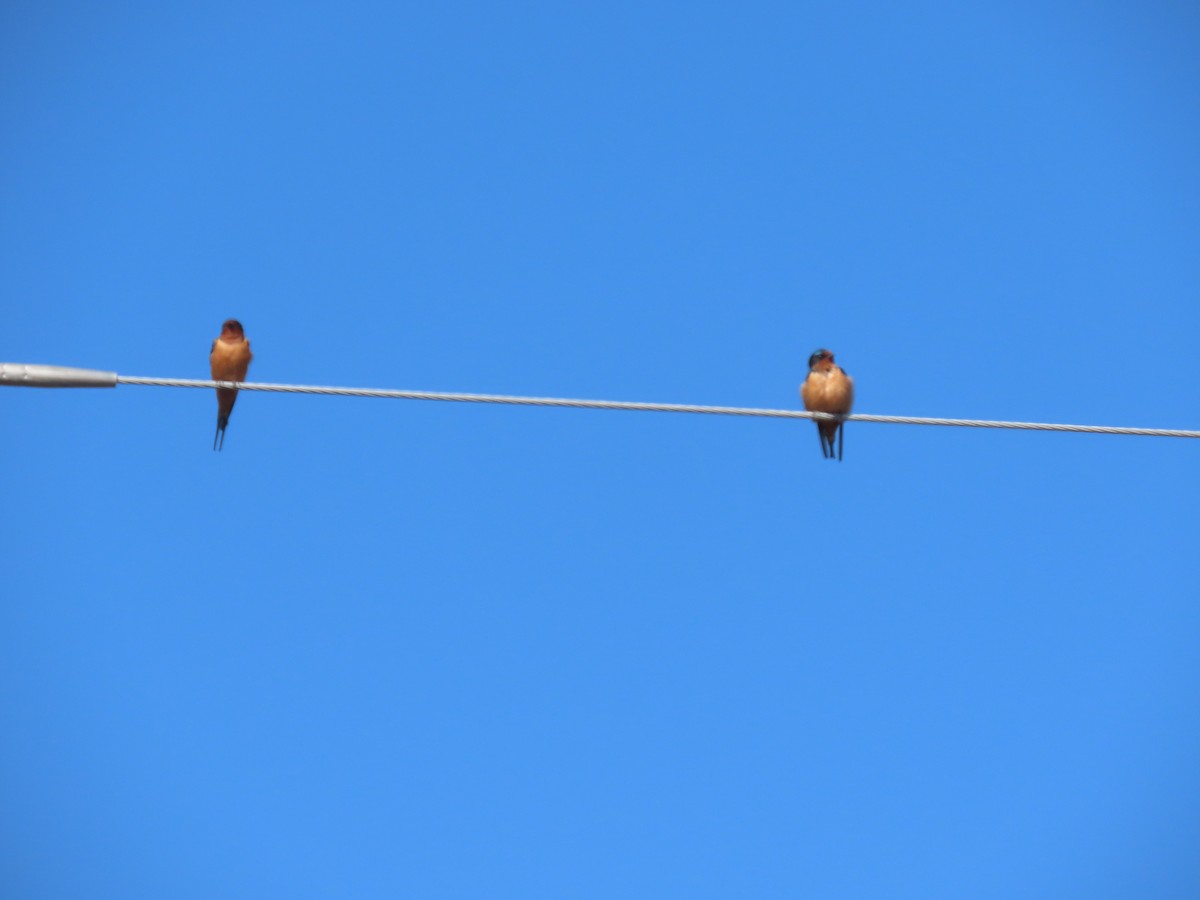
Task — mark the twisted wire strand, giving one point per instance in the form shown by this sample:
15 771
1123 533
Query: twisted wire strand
647 407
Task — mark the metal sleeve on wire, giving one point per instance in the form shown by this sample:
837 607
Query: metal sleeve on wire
29 375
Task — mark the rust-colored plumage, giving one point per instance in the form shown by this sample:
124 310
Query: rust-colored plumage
230 361
827 389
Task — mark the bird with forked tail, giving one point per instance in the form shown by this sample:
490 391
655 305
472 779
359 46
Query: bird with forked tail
230 361
828 389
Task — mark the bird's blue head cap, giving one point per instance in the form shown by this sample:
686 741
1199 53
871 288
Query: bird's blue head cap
820 355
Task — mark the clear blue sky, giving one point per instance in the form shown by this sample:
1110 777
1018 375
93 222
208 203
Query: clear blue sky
385 649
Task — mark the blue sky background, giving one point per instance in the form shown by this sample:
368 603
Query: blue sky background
381 648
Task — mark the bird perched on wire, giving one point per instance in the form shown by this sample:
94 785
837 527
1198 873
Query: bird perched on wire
828 389
230 360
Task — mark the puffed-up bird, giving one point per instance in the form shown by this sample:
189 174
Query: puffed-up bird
828 389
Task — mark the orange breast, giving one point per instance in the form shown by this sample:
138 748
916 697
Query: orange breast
831 392
230 361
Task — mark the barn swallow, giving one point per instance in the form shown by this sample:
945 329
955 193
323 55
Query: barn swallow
230 360
827 389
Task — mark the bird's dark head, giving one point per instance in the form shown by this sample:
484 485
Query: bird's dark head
232 328
822 359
